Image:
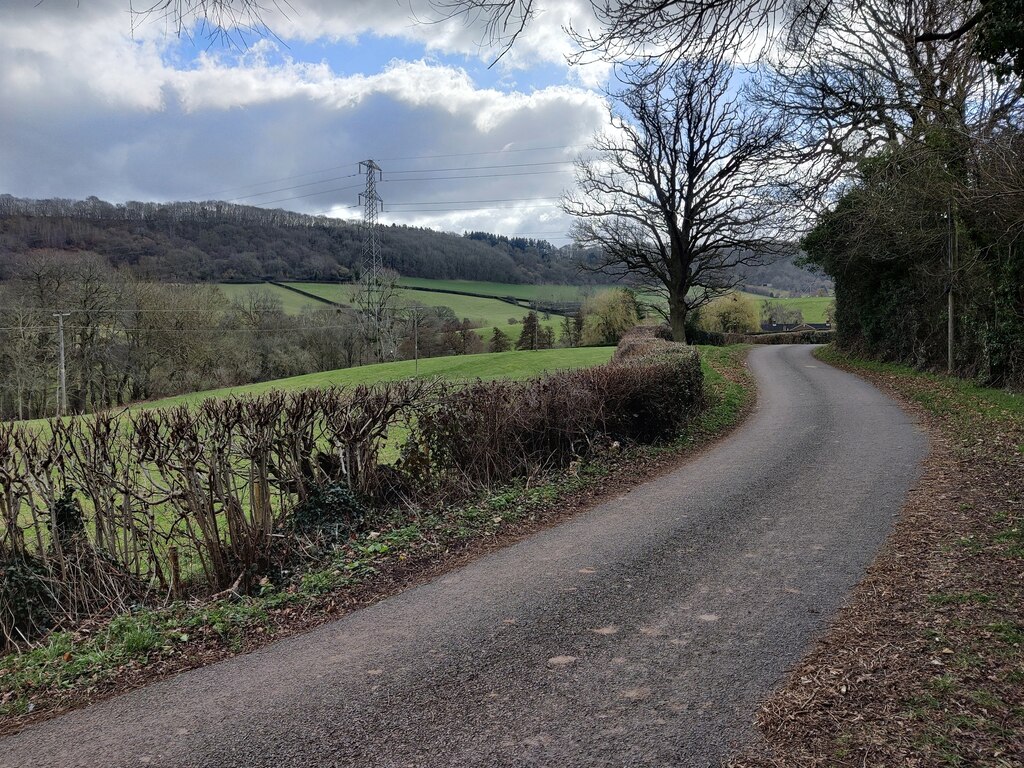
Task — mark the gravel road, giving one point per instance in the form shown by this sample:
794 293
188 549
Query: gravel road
641 633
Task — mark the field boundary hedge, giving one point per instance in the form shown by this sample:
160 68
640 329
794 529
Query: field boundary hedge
103 512
717 339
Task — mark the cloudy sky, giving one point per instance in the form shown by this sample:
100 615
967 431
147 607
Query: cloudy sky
96 102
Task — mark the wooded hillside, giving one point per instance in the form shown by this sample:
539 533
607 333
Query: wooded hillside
216 241
223 242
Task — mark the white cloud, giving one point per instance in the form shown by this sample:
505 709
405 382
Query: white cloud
420 21
90 109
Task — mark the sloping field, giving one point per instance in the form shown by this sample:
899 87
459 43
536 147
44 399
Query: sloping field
484 313
540 292
340 293
812 307
488 366
292 303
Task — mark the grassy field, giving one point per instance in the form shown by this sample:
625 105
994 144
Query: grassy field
342 293
291 302
484 313
488 366
541 292
812 307
487 313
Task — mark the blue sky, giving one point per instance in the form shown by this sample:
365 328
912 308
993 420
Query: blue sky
95 107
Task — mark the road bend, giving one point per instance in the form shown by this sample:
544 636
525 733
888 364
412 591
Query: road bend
643 632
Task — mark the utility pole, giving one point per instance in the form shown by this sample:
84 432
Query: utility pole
62 373
536 326
952 248
416 337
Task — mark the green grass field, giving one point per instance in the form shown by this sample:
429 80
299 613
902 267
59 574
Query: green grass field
488 313
488 366
291 302
341 293
540 292
812 307
484 313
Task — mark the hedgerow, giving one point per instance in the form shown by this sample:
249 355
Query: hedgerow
102 513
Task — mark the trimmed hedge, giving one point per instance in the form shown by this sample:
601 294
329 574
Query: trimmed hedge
102 512
717 339
488 433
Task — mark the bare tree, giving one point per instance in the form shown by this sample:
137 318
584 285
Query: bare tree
671 29
682 191
865 83
657 31
227 19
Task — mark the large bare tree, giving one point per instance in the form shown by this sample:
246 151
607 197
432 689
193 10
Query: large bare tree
670 29
864 82
681 190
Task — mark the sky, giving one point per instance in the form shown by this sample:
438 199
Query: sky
96 101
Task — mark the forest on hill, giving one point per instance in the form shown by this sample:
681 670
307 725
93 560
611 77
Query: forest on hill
223 242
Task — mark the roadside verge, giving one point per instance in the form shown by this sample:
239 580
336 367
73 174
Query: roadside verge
924 666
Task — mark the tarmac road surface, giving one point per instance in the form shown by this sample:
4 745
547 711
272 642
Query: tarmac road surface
643 632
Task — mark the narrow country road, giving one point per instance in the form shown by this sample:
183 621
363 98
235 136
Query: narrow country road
641 633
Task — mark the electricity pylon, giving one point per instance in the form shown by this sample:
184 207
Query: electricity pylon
374 296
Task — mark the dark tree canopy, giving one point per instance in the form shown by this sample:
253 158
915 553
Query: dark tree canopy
1000 36
216 241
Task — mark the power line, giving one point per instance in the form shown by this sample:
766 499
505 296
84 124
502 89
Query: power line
477 154
479 208
459 202
483 167
310 194
297 186
475 176
209 195
394 181
275 181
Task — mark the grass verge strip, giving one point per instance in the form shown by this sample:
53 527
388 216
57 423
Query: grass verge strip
924 666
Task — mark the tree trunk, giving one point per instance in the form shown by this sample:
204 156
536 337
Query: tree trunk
677 311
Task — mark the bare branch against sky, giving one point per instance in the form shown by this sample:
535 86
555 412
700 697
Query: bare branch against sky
683 189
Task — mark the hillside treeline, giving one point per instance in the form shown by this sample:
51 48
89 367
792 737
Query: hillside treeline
128 339
785 274
216 241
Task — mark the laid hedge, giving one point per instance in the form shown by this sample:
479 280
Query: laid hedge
487 433
716 339
103 512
